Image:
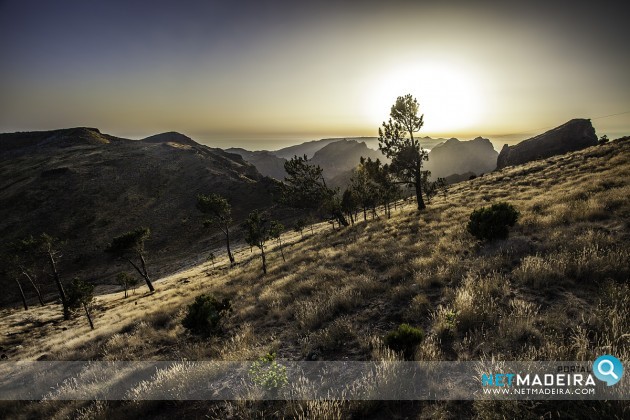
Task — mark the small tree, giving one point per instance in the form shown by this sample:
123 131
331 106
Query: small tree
219 214
48 247
126 281
81 295
349 204
257 233
275 231
300 225
18 261
211 258
204 314
131 245
405 152
405 339
488 223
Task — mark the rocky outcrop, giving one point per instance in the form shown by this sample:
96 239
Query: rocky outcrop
574 135
476 156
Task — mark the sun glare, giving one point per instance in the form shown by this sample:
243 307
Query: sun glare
448 97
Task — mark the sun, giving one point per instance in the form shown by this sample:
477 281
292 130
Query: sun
449 98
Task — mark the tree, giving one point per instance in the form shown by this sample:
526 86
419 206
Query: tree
381 182
126 281
12 267
48 247
131 245
81 295
349 203
405 152
363 189
275 231
433 188
300 225
257 233
305 187
211 258
219 214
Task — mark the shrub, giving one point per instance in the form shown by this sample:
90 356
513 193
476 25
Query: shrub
204 314
488 223
405 338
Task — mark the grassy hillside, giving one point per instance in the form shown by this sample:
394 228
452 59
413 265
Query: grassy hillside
85 188
556 289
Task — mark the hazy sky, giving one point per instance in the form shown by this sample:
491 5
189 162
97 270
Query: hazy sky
262 72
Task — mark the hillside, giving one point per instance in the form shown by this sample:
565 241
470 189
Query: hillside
86 187
265 162
556 289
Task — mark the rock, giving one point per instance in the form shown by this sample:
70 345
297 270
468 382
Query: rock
460 157
574 135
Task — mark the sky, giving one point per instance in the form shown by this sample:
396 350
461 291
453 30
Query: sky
263 74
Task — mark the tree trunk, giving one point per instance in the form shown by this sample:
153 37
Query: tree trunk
62 293
312 233
144 275
282 250
39 293
351 218
341 219
22 294
87 313
418 184
227 243
264 260
364 214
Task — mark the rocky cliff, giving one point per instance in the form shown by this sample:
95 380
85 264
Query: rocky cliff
574 135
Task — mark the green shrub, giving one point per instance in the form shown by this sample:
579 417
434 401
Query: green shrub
204 314
405 338
488 223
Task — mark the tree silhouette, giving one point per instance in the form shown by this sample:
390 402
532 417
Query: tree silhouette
131 245
219 214
14 265
349 203
257 233
81 295
275 231
48 247
304 187
126 281
405 152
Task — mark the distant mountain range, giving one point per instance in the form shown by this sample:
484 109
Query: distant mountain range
338 157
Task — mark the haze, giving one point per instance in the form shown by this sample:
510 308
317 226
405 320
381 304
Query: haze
265 74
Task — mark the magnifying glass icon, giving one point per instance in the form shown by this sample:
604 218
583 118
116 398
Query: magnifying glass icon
610 371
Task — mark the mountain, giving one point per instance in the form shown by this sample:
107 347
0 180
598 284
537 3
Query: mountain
459 157
343 156
86 187
266 162
571 136
308 148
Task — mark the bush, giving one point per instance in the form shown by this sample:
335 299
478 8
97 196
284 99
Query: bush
204 315
488 223
405 338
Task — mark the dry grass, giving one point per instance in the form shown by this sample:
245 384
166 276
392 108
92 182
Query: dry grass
555 290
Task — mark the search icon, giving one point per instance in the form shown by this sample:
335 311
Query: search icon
608 369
